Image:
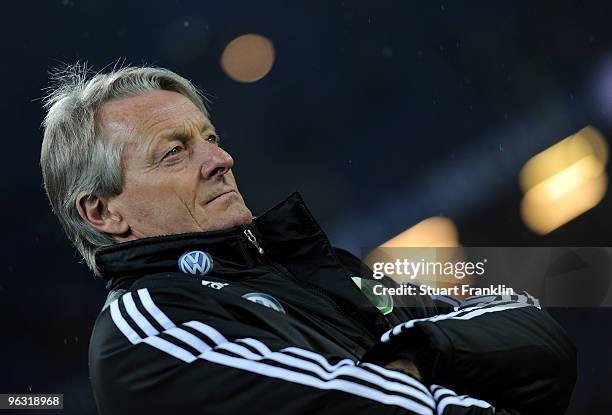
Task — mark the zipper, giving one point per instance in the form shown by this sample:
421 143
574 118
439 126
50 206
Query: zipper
304 284
329 246
249 235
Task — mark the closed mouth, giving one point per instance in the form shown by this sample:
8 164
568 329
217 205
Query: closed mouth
221 194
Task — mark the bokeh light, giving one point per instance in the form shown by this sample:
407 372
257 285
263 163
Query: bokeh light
431 232
248 58
564 181
422 239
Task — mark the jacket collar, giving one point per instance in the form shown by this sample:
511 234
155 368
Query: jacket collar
230 249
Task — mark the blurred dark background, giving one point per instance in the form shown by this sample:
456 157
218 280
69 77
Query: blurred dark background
381 114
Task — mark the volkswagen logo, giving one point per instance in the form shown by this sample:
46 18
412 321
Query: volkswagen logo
195 263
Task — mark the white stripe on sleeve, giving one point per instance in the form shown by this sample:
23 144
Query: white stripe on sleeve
304 379
396 375
170 348
188 338
208 331
316 356
461 401
137 316
453 399
473 312
399 391
346 370
150 306
123 325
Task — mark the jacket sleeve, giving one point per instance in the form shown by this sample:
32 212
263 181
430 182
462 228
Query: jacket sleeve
504 349
161 354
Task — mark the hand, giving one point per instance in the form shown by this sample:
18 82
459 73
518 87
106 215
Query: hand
406 366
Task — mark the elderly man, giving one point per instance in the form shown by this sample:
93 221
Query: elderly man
212 311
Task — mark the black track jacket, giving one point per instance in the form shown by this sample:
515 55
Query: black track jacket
267 319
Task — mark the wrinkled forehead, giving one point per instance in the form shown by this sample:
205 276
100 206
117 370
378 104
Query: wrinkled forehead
139 118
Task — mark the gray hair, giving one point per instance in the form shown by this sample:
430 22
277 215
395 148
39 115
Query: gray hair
75 158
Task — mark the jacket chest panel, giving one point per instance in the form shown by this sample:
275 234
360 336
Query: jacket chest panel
286 307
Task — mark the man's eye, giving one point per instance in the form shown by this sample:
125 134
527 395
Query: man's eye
213 139
175 150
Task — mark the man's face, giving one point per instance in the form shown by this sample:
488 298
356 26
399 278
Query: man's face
176 178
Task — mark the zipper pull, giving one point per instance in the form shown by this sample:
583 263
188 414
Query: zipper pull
253 240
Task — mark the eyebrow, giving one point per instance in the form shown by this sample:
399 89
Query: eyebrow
173 133
180 131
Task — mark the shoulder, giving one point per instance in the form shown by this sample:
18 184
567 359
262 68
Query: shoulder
152 305
137 336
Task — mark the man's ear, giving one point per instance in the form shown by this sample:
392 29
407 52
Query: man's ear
95 211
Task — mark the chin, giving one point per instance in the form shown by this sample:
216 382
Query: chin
234 215
243 217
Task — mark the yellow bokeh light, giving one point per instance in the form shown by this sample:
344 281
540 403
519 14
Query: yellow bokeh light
422 239
564 181
248 58
435 231
586 142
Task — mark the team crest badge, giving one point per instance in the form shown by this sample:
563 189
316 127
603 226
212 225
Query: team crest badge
384 302
195 263
265 300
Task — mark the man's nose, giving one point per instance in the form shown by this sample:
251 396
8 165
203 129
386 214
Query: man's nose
216 161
